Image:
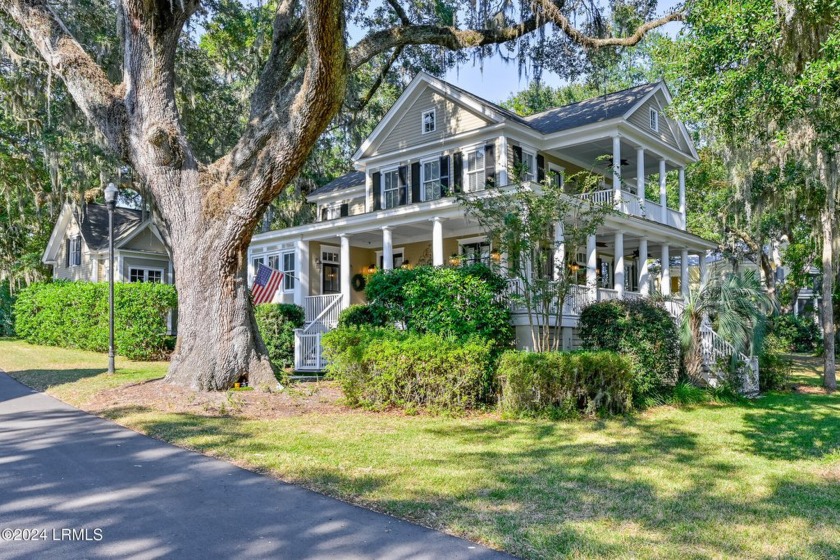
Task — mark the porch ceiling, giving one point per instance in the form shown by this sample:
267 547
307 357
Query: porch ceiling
589 156
409 232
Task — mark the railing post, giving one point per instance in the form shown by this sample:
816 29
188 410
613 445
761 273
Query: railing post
297 349
318 351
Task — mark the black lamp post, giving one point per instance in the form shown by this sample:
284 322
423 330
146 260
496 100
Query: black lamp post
111 202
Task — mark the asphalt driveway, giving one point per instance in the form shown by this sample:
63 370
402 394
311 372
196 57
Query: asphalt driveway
76 486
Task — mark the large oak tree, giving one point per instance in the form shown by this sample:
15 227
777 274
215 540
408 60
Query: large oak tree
209 209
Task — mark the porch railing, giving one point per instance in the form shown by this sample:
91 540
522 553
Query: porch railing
631 204
322 309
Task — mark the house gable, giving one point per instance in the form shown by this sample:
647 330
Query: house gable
455 112
143 239
670 131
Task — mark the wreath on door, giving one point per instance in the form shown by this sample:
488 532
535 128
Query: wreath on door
359 282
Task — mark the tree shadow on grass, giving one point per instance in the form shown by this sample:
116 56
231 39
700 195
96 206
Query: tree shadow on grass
540 491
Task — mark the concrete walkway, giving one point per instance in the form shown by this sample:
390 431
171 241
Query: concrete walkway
62 470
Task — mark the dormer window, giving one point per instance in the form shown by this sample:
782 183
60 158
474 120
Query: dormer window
654 120
429 123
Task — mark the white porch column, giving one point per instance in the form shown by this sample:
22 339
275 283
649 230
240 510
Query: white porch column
501 162
682 196
704 269
644 270
559 251
387 249
345 271
302 269
616 169
640 175
618 274
368 192
684 273
591 266
663 192
665 275
437 241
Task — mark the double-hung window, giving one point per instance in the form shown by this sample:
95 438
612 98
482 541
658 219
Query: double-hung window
429 123
431 180
288 268
74 251
475 170
654 120
391 188
529 166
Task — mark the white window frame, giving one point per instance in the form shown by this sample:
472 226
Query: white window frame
146 270
75 248
289 274
654 120
474 241
561 172
423 121
423 179
394 252
531 175
382 191
335 259
333 211
481 170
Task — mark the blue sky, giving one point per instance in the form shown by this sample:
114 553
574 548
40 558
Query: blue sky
496 80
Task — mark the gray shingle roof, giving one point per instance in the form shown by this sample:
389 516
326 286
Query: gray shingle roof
597 109
352 179
94 224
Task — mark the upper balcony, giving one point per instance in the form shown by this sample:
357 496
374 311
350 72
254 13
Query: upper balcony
628 203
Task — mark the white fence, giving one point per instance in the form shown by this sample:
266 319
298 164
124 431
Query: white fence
629 203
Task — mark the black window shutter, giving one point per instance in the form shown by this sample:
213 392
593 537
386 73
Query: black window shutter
540 168
490 165
324 214
377 191
67 254
444 175
415 181
344 211
457 171
403 172
517 155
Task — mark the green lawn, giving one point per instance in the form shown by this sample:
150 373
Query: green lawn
753 480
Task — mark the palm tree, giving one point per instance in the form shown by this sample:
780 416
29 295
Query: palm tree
736 305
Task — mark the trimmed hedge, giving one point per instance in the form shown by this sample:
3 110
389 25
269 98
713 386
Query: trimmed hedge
7 302
277 323
75 315
463 302
357 315
378 368
641 330
560 384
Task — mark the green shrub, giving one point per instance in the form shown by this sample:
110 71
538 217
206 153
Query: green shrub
789 333
641 330
277 323
378 368
356 315
773 371
462 303
7 302
75 315
559 384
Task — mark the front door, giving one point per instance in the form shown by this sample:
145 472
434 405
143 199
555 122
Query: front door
330 279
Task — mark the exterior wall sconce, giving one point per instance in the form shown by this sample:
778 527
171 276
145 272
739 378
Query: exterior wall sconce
495 256
455 259
371 269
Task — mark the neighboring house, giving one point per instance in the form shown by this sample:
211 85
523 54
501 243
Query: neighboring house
78 247
397 208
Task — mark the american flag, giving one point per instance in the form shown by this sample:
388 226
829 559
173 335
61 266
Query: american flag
265 284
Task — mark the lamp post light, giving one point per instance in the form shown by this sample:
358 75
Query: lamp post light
111 202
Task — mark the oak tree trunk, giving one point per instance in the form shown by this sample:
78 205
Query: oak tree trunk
827 219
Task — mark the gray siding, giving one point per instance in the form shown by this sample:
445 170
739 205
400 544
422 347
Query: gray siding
641 118
83 272
145 241
450 119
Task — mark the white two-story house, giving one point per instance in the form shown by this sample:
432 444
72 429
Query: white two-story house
399 207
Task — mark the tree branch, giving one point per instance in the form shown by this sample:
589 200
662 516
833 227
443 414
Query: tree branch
398 9
554 15
383 72
87 83
288 43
